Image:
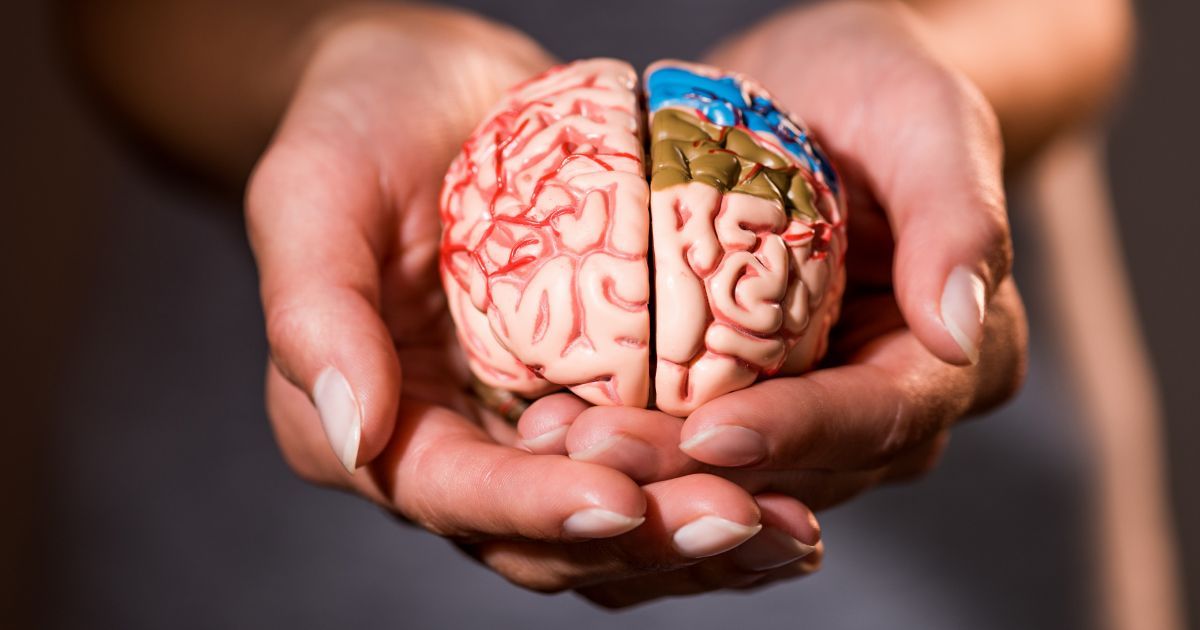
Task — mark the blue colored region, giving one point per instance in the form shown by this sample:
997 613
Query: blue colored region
723 102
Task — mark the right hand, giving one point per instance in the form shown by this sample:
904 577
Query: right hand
932 330
343 218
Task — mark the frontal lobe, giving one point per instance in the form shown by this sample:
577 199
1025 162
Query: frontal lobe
545 237
748 236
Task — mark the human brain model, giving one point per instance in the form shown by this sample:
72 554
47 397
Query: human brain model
570 260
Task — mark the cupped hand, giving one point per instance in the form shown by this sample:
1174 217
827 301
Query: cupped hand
932 328
342 216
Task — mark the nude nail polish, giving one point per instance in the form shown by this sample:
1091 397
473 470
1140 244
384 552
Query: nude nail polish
599 523
962 310
340 415
546 442
711 535
625 453
726 445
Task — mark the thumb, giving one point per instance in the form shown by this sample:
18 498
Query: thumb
313 217
944 196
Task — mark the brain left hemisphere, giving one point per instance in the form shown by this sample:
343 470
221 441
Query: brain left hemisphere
558 235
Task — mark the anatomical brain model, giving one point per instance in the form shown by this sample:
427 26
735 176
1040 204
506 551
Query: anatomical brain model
569 261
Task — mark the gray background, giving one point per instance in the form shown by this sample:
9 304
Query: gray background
147 492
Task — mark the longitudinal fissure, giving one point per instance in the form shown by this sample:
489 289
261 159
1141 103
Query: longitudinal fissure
713 232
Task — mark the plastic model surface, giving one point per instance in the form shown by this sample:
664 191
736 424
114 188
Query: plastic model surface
573 256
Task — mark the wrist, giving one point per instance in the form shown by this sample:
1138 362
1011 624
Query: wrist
443 65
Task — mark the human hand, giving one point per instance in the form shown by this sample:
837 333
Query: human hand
932 329
342 216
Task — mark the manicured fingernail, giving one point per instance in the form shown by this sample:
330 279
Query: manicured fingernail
625 453
962 310
726 445
340 415
546 442
770 549
599 523
711 535
812 562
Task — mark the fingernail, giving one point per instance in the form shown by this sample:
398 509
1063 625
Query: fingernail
812 562
625 453
711 535
962 310
599 523
770 549
339 415
726 445
545 442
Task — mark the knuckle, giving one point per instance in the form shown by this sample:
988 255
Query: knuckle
1003 372
416 496
903 429
996 238
1010 382
965 100
430 522
285 323
918 415
267 181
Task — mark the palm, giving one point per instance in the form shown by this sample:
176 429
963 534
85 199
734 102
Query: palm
395 126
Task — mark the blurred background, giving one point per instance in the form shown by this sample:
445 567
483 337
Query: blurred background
143 489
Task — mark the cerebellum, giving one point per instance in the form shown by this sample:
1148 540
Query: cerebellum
551 218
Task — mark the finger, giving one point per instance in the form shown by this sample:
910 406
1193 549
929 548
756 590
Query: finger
919 460
953 246
927 144
644 445
800 568
779 544
313 220
893 396
443 472
854 417
543 426
699 579
446 474
790 532
687 519
641 443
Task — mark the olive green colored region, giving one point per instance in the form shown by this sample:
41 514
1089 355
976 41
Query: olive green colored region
686 148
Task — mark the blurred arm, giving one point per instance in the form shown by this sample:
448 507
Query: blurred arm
1091 298
1049 68
206 80
1044 65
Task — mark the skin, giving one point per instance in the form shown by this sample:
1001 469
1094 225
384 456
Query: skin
341 213
358 288
897 381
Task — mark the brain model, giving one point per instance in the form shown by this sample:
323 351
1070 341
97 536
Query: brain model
571 260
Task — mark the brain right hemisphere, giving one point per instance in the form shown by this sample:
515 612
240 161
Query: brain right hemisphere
551 227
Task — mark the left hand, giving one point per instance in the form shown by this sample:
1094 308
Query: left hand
933 328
